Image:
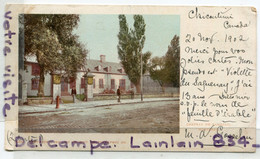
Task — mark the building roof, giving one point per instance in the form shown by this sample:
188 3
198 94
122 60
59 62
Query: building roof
104 67
95 66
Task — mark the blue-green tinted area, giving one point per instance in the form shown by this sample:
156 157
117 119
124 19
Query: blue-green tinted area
99 33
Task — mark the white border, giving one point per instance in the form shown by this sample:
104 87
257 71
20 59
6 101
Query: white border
57 155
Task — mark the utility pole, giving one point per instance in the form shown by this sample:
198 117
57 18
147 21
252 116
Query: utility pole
86 86
141 77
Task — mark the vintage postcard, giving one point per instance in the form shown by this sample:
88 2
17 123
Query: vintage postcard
130 78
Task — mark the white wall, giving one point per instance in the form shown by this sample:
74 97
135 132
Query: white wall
28 76
127 155
107 81
47 84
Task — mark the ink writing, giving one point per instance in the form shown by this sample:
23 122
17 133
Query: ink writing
217 68
10 98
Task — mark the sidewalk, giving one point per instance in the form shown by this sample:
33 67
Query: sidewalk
29 109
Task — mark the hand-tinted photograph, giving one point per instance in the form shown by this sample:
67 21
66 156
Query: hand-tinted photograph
99 73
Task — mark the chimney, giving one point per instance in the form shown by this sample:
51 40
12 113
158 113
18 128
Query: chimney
102 58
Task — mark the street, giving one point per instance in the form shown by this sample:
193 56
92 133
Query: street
147 117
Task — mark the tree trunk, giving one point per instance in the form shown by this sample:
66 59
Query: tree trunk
138 87
41 83
162 86
163 89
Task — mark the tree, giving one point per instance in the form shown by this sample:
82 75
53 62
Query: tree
130 45
157 70
172 63
50 39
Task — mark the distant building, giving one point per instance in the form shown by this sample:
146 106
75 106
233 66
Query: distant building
107 77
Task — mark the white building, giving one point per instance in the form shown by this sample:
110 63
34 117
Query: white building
107 77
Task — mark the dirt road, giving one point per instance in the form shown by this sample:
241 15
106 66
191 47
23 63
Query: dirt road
151 117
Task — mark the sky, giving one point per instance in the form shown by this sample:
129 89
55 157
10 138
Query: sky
99 34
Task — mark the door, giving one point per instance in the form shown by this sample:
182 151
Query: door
64 88
122 84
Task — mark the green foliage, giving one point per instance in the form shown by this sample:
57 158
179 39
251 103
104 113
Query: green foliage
130 45
157 70
172 63
80 97
74 58
50 38
166 69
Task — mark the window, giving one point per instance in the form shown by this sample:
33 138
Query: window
35 84
98 68
35 69
72 82
122 84
64 85
94 83
82 84
106 69
101 85
132 85
112 83
120 70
